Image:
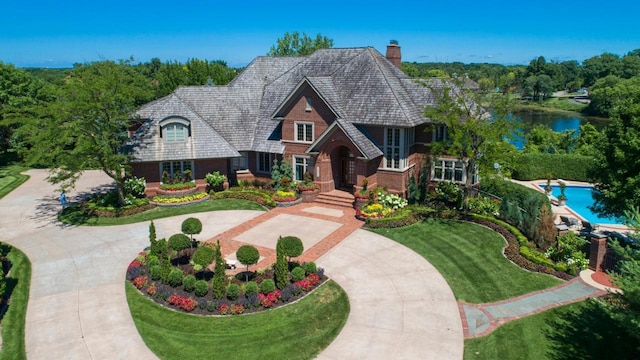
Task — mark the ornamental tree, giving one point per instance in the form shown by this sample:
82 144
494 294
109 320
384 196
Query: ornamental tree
292 246
282 267
217 284
247 255
179 242
191 226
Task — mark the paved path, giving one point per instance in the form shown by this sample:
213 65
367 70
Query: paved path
400 305
481 319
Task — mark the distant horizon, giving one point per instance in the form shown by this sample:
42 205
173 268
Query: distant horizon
60 35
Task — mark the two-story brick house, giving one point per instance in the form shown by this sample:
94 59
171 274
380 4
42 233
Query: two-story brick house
343 115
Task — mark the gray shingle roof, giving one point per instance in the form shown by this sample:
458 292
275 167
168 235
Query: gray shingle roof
368 149
359 84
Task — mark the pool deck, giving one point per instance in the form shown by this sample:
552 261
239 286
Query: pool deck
566 210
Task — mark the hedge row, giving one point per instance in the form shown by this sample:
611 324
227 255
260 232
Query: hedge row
259 196
510 190
533 166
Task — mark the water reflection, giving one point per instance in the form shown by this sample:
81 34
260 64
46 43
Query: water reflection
557 121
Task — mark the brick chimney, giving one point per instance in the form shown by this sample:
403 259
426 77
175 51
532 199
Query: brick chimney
393 53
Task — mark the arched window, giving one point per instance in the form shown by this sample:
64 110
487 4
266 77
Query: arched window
175 129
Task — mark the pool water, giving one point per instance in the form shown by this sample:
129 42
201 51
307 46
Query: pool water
579 199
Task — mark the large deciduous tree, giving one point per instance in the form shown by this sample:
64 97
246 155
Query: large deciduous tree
616 170
87 124
292 44
477 126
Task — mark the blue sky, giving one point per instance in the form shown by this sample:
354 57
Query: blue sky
58 34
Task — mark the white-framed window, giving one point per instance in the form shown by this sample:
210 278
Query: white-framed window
396 147
304 132
308 106
300 166
451 170
264 161
439 133
174 170
240 163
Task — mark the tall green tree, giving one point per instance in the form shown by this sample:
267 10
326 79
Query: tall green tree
20 93
616 169
476 125
86 126
293 44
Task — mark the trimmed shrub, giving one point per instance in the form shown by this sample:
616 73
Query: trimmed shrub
179 242
191 226
189 283
201 288
397 219
292 246
159 248
259 196
233 291
297 274
310 268
532 166
267 286
217 284
175 277
153 260
251 288
155 271
203 256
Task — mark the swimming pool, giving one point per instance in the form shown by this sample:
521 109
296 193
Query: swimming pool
579 198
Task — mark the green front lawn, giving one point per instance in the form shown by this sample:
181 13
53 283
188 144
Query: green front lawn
297 331
470 258
13 321
10 178
576 331
74 216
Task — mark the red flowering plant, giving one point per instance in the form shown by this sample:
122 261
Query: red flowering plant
182 302
139 281
304 284
224 309
237 309
134 264
269 299
364 192
152 289
313 279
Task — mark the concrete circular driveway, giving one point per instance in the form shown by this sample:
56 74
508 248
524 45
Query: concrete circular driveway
400 306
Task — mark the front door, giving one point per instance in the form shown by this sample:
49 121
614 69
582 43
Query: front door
348 173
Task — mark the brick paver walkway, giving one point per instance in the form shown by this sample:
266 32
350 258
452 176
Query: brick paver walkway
348 224
481 319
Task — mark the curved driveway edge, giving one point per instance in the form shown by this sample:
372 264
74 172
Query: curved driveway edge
77 304
401 307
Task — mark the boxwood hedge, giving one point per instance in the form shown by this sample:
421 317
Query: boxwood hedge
532 166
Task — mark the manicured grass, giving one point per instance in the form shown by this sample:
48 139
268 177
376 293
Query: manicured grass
73 216
10 178
296 331
562 106
576 331
13 321
470 258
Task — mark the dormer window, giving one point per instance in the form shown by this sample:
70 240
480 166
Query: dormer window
174 130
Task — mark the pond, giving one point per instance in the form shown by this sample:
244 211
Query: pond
557 121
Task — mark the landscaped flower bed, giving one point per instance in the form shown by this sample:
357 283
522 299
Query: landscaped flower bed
180 200
245 302
383 205
175 275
